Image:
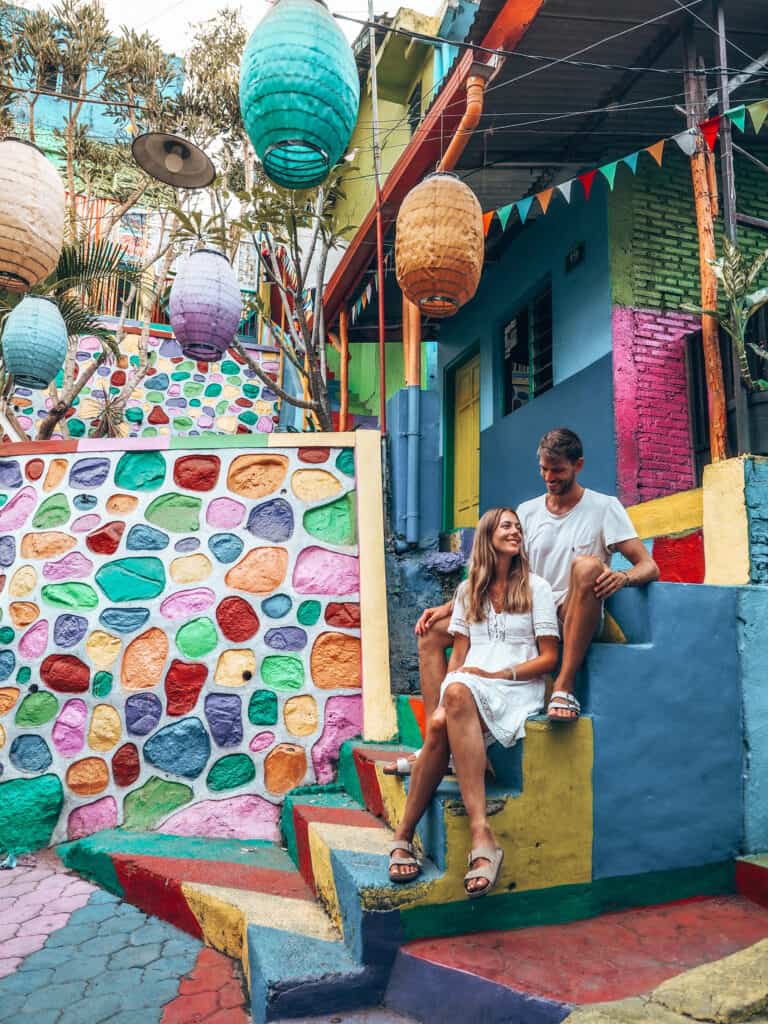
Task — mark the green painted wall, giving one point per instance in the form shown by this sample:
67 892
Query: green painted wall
652 230
364 371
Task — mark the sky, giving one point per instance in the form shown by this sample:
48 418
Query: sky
170 20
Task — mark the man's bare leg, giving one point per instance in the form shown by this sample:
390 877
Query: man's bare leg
432 663
580 617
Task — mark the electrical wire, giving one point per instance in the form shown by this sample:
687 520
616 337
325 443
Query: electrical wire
714 31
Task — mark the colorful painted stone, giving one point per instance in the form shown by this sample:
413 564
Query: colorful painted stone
300 715
197 472
261 741
284 768
90 818
103 648
197 638
223 713
183 684
343 615
83 502
271 520
33 643
335 661
334 523
345 462
140 471
144 660
181 748
343 720
246 816
277 606
102 684
309 612
314 455
8 697
259 571
7 664
225 547
74 565
64 673
124 620
256 476
57 469
185 603
46 545
125 765
190 568
142 713
53 512
85 523
106 539
34 469
30 753
7 551
177 513
262 708
87 776
23 581
69 630
314 484
121 504
286 638
89 473
70 595
146 538
237 620
319 571
15 513
235 667
29 811
131 579
23 613
35 710
6 634
145 807
187 544
282 672
105 728
68 733
230 772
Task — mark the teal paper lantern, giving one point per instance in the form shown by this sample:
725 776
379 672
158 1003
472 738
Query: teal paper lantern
299 92
34 342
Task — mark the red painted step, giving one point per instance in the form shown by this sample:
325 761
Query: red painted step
303 814
752 878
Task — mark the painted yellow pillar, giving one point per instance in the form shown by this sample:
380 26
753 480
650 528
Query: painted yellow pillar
726 530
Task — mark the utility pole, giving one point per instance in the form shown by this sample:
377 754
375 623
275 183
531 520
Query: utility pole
379 226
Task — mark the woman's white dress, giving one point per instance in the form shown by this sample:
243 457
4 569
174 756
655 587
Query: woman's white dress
504 641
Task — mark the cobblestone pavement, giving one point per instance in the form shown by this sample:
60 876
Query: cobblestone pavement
73 954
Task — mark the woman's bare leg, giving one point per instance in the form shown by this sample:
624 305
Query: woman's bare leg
428 771
465 737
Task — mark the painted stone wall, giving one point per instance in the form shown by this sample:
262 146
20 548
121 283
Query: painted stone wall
180 634
178 396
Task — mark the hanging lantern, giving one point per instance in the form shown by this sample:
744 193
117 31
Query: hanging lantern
299 92
31 215
34 342
205 305
439 245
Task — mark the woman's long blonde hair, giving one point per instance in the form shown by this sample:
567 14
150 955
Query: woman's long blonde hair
482 566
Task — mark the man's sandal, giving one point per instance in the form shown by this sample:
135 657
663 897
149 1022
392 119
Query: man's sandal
490 871
398 862
562 701
402 766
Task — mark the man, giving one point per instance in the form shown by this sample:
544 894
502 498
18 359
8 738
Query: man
569 534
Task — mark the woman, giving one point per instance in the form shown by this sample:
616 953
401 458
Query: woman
505 632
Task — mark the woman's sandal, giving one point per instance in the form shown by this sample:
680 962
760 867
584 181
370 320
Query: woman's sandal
399 862
402 766
562 701
490 871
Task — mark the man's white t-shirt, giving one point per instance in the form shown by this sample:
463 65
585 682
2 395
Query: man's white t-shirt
592 527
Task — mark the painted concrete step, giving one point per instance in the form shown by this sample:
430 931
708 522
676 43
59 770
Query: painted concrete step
752 878
540 974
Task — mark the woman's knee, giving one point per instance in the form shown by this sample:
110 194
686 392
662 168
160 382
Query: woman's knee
437 731
457 698
585 569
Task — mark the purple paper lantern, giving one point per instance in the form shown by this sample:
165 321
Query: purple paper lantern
205 306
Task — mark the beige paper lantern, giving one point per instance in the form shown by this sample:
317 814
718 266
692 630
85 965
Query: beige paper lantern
31 215
439 246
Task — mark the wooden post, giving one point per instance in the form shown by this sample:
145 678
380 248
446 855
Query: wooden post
344 374
696 106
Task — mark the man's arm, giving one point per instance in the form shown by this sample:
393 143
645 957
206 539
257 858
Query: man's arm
430 616
644 569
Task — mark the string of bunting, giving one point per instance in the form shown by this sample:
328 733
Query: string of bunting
686 140
364 299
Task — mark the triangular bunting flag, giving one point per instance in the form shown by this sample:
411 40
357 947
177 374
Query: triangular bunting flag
587 180
686 141
631 161
565 190
487 218
609 172
545 198
758 112
656 150
738 116
710 129
503 213
364 300
523 207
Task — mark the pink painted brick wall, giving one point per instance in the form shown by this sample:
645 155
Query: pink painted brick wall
651 403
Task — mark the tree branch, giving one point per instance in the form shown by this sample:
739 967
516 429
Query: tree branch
271 384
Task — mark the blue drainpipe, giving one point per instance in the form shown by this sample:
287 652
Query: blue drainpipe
413 436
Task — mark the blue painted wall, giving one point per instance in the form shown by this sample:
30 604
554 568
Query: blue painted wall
753 651
430 464
756 497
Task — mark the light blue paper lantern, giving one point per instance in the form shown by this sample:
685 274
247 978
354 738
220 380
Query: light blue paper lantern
299 92
34 342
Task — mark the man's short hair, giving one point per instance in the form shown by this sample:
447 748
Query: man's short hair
561 443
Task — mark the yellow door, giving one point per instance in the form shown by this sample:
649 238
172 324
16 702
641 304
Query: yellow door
466 444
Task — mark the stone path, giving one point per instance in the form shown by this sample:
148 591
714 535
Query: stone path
73 954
